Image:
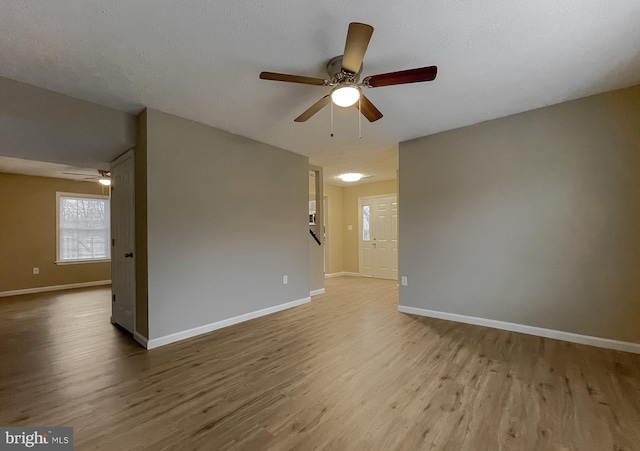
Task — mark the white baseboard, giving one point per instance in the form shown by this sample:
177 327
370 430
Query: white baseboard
342 273
171 338
315 292
68 286
140 339
531 330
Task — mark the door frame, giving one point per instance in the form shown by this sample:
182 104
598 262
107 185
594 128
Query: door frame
325 231
129 154
361 201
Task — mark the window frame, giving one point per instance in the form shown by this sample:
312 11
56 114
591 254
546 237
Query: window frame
59 195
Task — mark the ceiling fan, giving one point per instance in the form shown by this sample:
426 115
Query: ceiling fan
103 177
344 76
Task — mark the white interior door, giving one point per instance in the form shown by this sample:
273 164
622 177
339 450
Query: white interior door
379 236
123 272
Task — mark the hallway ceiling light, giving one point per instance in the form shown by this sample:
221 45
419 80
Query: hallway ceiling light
104 181
350 177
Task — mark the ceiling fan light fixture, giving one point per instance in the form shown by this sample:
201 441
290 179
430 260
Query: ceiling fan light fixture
345 96
350 177
105 181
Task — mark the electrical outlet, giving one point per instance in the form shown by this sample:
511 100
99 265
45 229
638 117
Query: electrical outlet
404 280
284 279
36 270
349 227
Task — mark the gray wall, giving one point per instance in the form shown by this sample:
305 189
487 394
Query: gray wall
140 221
42 125
227 218
531 219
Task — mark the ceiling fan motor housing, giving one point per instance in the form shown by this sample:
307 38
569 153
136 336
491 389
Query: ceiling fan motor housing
339 76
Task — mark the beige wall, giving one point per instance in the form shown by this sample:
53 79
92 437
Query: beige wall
350 216
312 183
335 229
28 234
227 217
531 219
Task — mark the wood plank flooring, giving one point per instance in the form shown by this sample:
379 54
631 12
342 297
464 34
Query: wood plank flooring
345 372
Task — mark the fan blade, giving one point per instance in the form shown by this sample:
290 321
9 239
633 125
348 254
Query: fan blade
358 38
368 109
320 104
292 78
401 77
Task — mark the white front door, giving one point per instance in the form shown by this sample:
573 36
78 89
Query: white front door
123 271
379 236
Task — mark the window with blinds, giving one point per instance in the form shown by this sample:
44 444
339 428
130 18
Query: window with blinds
83 228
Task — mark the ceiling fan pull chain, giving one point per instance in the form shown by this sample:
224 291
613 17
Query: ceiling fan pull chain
359 117
332 119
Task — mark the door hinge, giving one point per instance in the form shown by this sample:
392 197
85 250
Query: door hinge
113 297
113 241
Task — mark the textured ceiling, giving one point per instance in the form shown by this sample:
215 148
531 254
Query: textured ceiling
201 60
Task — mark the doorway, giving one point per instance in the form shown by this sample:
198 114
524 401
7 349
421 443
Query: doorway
378 236
325 231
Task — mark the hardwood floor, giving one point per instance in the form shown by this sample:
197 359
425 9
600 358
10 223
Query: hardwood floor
345 372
